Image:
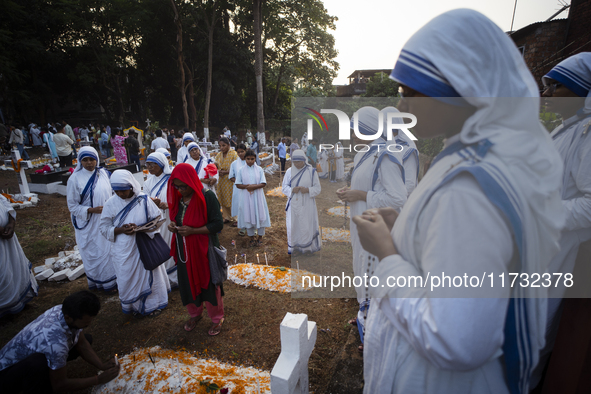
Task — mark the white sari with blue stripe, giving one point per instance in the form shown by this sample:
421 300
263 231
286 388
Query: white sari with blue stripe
301 220
140 291
88 189
157 187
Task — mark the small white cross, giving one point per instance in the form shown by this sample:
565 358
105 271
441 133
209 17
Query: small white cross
290 373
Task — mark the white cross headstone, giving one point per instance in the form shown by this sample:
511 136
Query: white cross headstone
290 373
148 122
21 175
205 134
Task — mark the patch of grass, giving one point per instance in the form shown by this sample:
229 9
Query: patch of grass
37 250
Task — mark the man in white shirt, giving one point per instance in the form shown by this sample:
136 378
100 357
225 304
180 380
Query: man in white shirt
227 132
63 146
70 134
17 138
159 142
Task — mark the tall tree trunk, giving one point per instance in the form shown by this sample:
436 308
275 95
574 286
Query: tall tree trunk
180 60
258 64
278 84
190 92
211 27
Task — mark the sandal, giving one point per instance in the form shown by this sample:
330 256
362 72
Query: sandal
242 232
192 323
353 321
216 328
157 312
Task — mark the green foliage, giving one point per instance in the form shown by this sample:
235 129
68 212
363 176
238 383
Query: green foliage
550 120
430 147
380 85
120 55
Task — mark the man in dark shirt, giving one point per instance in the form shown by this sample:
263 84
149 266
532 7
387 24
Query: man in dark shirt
134 149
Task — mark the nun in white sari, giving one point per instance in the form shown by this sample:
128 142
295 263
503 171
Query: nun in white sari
156 187
141 292
301 186
573 101
183 153
88 190
489 204
17 282
199 161
377 182
339 155
323 161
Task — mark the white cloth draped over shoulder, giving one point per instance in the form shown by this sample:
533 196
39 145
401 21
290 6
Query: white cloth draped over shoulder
410 153
234 168
200 164
17 283
301 220
88 189
494 186
157 187
140 291
254 212
380 174
339 154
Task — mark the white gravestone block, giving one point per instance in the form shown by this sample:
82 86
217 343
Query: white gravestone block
75 274
39 269
44 275
290 373
60 275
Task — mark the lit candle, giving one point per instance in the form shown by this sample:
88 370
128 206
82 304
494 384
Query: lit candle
178 368
298 265
266 262
258 261
235 257
116 359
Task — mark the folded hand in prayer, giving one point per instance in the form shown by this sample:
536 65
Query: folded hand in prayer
374 234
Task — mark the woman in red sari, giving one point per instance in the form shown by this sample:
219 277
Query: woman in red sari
195 218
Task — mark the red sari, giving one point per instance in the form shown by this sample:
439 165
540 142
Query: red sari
196 245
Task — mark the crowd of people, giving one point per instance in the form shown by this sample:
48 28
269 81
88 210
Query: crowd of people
504 196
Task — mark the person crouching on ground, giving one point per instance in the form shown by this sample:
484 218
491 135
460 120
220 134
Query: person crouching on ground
35 360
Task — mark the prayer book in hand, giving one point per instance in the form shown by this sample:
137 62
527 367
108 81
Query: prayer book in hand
152 225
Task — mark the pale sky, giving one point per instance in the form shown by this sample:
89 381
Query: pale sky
370 33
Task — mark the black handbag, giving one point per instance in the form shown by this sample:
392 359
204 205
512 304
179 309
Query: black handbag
218 266
153 251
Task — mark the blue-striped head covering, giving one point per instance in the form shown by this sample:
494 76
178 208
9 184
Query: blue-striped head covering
575 74
298 155
164 151
124 180
192 146
86 151
161 160
188 137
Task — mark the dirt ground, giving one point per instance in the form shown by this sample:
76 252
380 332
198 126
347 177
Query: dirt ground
250 334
